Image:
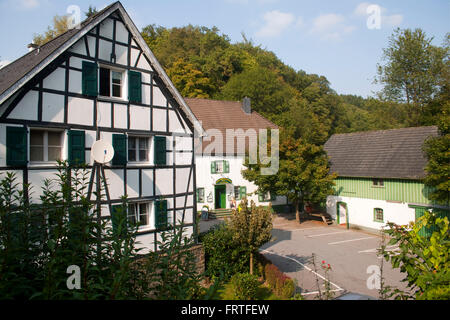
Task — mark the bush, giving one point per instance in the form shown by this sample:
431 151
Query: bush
245 286
223 255
282 285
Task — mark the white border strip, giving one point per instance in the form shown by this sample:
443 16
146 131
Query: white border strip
338 242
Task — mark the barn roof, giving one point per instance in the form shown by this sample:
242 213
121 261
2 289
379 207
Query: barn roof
395 153
223 115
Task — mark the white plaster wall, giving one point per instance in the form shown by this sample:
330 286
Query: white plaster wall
182 178
27 108
143 64
79 47
121 32
36 180
139 118
104 50
164 181
52 107
80 111
120 116
159 120
158 98
133 183
121 54
147 183
174 123
104 114
115 181
55 80
75 80
106 28
360 211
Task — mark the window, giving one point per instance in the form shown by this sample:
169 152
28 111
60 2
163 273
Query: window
45 146
378 215
264 197
138 214
111 83
138 150
237 194
201 195
220 167
378 182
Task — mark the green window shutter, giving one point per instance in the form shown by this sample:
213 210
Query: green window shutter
89 79
16 146
76 147
134 86
226 167
118 219
213 167
243 192
260 197
161 214
119 142
160 151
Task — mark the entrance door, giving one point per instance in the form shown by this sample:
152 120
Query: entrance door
221 197
342 215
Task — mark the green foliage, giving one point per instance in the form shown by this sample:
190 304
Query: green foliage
303 173
222 254
438 167
245 286
171 270
60 25
282 285
40 241
424 260
413 71
251 227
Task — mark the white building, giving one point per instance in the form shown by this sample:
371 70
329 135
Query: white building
219 178
101 81
380 177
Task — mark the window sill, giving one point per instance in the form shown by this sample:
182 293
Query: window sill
42 164
112 99
139 164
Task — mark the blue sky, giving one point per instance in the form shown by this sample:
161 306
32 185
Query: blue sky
326 37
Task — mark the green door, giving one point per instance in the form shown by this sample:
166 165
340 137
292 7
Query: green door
220 193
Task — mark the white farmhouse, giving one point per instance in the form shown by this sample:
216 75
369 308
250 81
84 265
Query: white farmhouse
101 81
219 178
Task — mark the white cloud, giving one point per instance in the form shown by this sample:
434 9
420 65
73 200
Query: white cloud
391 20
331 26
275 23
29 4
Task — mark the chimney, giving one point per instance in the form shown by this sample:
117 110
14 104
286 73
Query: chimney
247 105
32 46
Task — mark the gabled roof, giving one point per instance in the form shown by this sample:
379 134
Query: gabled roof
16 74
393 153
223 115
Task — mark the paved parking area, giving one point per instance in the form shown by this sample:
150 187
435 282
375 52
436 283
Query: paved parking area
351 254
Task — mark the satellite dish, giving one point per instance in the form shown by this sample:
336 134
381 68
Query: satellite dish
102 151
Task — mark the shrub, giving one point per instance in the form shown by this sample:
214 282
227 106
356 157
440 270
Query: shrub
245 286
223 255
282 285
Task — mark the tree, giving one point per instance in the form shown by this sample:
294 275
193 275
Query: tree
251 227
303 173
438 167
413 70
60 25
92 11
188 80
423 258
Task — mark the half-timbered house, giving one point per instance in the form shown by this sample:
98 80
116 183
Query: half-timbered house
100 81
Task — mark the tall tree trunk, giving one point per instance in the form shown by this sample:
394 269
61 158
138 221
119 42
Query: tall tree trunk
297 210
251 262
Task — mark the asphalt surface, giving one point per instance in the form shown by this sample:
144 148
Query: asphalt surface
350 253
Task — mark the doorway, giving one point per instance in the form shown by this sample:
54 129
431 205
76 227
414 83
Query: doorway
342 213
220 196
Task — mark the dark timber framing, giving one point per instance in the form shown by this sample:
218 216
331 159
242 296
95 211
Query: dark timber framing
64 62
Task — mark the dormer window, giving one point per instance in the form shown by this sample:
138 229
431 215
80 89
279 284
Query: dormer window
111 83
